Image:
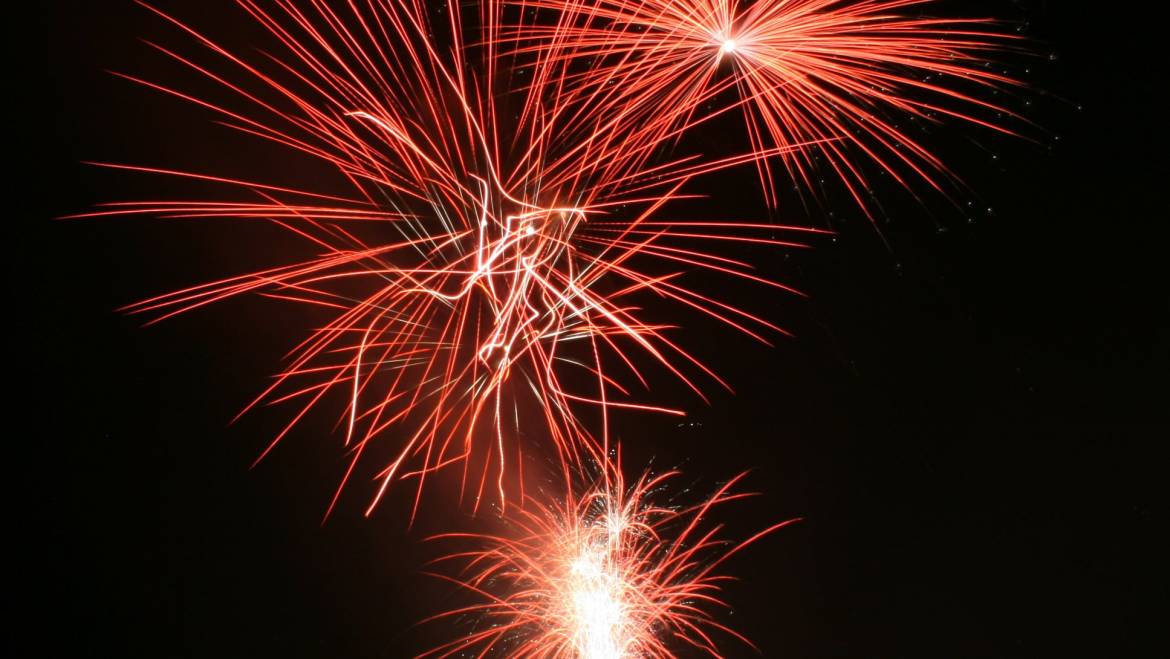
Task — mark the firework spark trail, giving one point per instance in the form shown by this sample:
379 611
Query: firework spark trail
608 574
844 75
479 245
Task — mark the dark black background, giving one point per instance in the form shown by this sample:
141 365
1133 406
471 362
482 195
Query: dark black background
968 420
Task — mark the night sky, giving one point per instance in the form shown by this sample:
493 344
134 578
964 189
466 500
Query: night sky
969 418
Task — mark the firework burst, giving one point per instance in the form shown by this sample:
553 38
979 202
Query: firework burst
605 575
846 76
476 245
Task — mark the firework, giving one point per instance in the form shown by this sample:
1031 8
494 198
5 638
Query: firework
846 76
604 575
475 246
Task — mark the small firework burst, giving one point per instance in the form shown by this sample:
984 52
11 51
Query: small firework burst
609 574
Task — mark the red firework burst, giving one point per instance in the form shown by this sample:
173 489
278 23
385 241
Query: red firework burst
843 75
483 244
604 575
